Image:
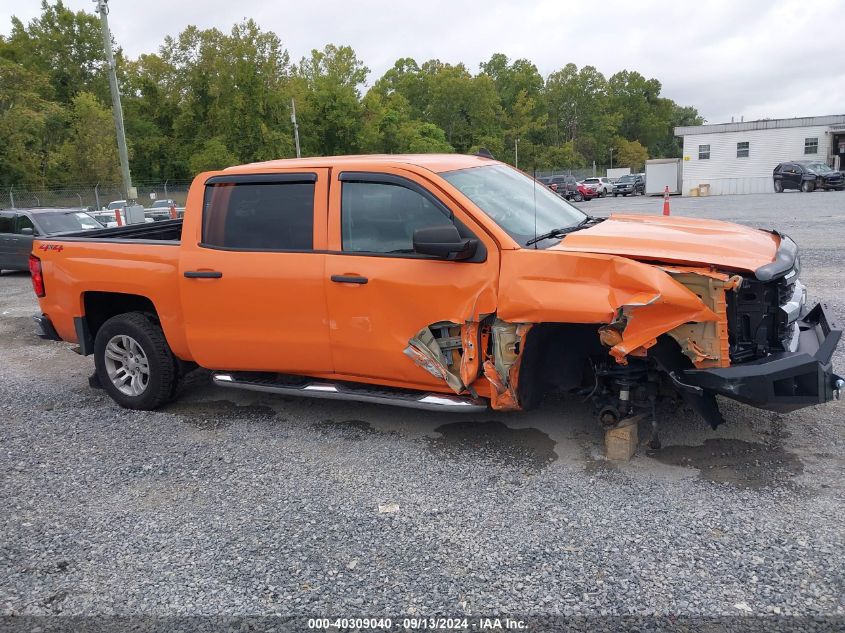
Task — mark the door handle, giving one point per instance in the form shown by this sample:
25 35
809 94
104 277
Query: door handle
349 279
203 274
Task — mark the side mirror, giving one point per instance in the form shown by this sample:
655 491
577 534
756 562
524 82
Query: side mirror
444 242
27 231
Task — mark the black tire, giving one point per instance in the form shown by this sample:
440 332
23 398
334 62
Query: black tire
615 194
778 186
578 197
807 186
624 195
163 372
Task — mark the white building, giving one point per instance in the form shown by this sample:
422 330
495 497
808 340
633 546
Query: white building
740 157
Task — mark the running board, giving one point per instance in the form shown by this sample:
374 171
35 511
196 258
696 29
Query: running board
308 388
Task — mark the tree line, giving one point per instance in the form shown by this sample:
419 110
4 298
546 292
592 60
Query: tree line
208 99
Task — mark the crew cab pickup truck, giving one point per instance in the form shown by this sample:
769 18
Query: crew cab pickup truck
442 282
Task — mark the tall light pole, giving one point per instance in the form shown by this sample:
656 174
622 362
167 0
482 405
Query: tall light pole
611 157
117 111
516 153
295 126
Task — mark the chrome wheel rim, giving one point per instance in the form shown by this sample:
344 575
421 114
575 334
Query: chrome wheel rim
127 365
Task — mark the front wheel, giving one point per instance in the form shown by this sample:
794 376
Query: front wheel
134 362
778 186
615 194
807 186
578 197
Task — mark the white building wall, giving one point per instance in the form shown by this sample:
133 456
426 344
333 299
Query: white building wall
725 173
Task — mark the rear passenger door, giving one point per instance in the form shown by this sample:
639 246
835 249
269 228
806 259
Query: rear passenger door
7 229
791 176
252 280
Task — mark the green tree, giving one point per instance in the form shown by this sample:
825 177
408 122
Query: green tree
89 155
213 155
30 126
66 46
631 154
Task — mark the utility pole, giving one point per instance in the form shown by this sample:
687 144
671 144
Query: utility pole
295 126
516 153
117 111
611 157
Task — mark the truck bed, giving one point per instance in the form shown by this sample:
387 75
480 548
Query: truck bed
164 231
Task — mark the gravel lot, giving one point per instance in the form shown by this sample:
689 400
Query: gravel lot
240 503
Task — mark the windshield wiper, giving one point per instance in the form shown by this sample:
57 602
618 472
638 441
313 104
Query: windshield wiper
556 233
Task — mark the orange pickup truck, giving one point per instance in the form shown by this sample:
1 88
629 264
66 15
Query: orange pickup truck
442 282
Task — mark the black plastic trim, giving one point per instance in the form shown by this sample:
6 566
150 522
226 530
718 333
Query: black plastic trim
262 179
349 279
784 260
202 274
83 335
44 328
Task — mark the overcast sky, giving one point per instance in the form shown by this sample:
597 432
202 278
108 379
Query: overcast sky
751 58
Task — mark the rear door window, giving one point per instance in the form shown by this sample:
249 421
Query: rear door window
259 213
7 223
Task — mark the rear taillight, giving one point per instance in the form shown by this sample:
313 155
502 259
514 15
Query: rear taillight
37 277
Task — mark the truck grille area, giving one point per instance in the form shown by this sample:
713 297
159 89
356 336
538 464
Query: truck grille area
763 315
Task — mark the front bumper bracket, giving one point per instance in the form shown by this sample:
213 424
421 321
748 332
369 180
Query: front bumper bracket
783 381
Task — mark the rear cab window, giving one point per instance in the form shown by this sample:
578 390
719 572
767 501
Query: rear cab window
263 212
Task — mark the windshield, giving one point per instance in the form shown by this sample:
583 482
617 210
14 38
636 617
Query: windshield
626 179
158 204
820 168
592 180
62 222
514 201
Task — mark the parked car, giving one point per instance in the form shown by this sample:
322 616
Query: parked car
116 204
807 175
632 184
586 192
441 282
18 228
160 210
602 186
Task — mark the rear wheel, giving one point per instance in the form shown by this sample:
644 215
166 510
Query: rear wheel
134 363
807 186
778 186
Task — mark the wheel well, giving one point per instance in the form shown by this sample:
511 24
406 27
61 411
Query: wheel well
101 306
556 356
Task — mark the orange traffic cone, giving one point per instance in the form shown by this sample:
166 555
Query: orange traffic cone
117 217
666 200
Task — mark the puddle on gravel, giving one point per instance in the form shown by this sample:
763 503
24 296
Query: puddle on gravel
744 464
217 414
349 429
527 447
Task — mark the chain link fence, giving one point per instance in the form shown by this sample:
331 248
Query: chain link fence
579 173
91 196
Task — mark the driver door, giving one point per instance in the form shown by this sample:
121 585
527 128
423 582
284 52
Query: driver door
380 292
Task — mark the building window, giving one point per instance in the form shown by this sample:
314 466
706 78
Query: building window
703 152
742 149
811 145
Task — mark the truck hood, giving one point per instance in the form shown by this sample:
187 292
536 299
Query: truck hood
676 240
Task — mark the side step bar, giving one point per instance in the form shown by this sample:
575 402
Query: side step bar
344 391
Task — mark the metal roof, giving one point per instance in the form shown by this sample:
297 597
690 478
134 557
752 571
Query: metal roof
762 124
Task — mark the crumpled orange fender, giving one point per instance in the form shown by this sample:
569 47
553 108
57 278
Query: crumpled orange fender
561 287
